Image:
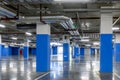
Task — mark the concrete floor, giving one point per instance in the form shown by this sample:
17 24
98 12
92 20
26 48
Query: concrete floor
82 68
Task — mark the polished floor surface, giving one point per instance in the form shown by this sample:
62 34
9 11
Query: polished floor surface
81 68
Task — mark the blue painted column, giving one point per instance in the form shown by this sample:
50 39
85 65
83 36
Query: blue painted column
26 51
6 51
82 51
76 52
117 47
0 51
92 51
54 50
113 51
106 64
66 51
10 50
43 48
0 46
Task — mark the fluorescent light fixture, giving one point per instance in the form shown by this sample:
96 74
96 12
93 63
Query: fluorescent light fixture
115 28
55 43
85 37
23 17
29 34
71 0
88 24
14 38
96 43
85 40
2 26
88 45
29 41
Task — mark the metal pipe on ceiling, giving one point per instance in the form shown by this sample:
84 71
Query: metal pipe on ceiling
69 24
32 33
15 2
82 18
116 21
7 12
92 10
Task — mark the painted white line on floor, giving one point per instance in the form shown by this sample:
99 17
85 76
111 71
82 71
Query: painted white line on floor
117 75
42 76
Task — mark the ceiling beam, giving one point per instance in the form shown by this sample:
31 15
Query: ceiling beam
92 10
91 18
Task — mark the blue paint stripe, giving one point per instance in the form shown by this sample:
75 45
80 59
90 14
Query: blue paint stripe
43 53
66 52
106 64
117 52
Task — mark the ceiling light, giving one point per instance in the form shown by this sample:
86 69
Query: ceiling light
96 43
23 17
29 34
29 41
88 45
2 26
115 28
88 24
85 37
55 43
85 40
14 38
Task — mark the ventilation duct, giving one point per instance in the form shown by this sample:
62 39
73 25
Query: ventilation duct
6 12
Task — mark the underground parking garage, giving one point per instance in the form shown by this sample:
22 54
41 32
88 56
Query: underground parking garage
59 40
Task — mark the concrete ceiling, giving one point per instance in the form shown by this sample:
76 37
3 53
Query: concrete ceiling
85 15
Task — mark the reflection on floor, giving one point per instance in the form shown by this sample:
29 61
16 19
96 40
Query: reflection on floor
17 69
81 68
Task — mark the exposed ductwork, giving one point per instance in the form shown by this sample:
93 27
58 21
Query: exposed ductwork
7 13
93 10
69 25
66 22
